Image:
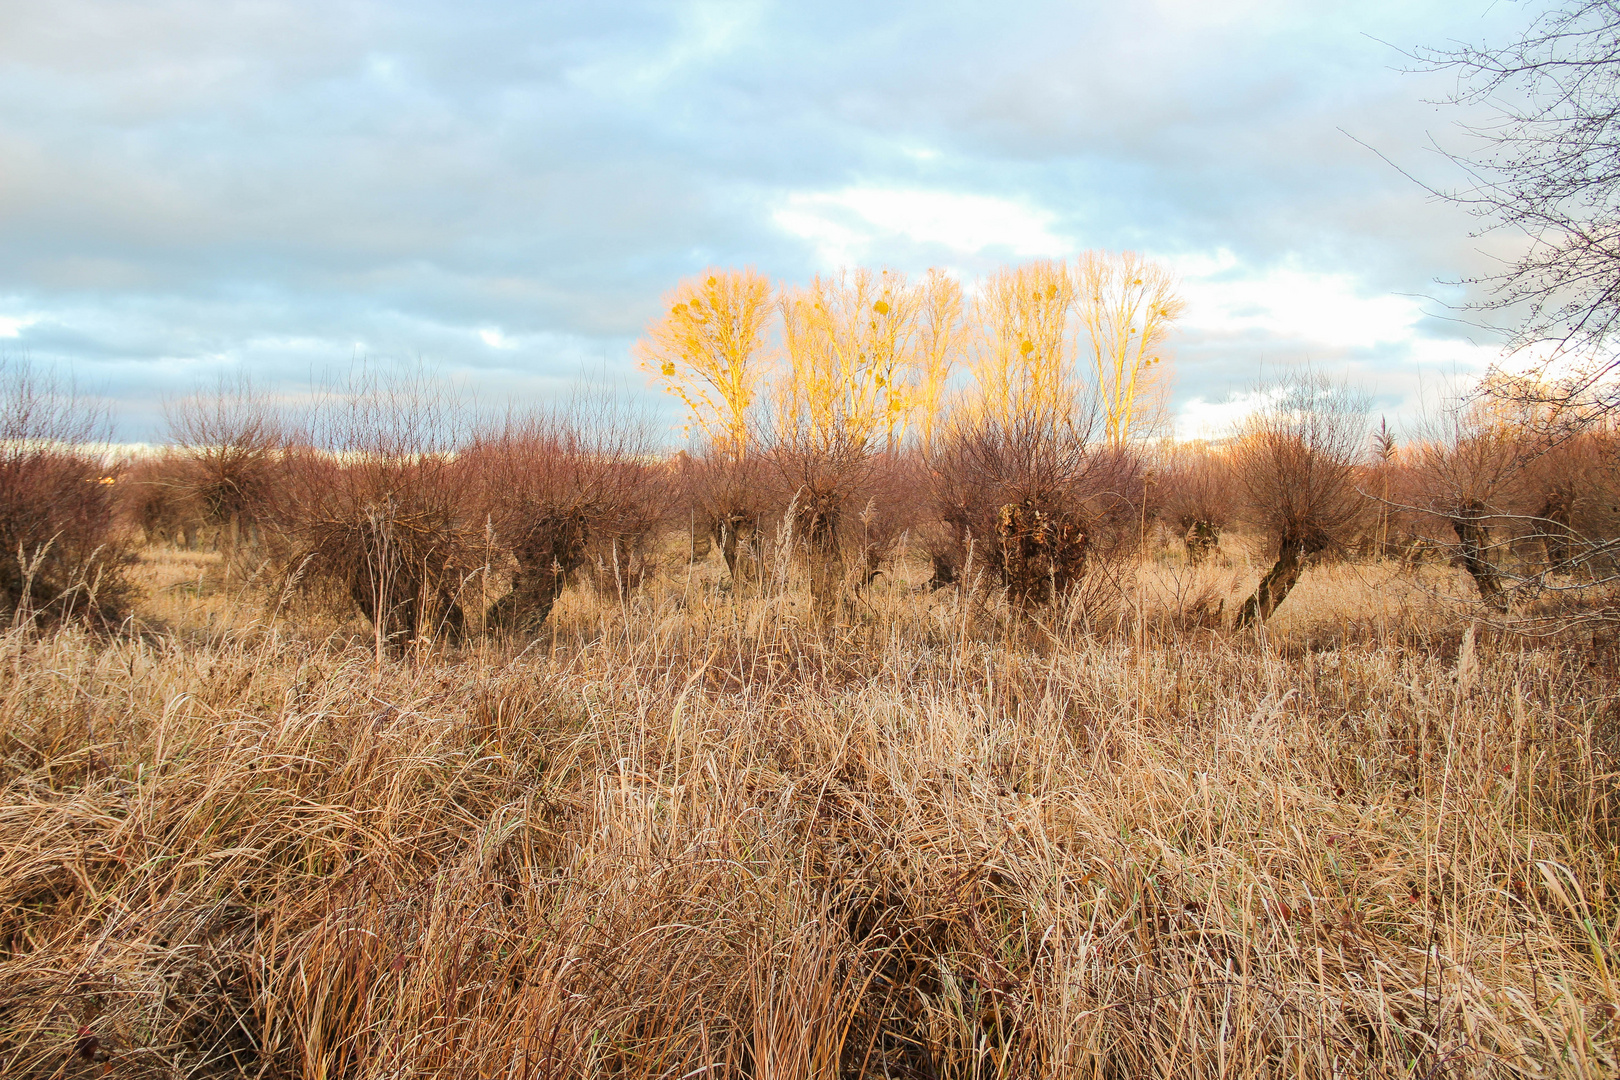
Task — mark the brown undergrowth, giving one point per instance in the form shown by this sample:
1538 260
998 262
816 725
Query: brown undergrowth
693 834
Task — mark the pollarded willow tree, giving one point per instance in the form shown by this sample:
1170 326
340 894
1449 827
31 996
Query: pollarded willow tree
228 442
563 491
370 502
63 552
1468 469
1297 461
1023 481
1195 489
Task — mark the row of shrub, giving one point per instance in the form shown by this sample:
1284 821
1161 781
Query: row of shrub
389 500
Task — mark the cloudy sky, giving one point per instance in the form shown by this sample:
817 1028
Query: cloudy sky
503 190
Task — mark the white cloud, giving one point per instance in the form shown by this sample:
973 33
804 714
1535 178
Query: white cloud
846 225
1332 311
1246 317
836 244
705 32
1464 356
1201 419
495 339
13 325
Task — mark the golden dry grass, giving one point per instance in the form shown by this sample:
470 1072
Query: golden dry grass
696 836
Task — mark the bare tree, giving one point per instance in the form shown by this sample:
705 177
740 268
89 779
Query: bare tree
1197 497
372 502
228 443
1547 165
1297 463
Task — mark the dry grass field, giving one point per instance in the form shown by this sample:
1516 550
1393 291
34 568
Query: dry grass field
687 834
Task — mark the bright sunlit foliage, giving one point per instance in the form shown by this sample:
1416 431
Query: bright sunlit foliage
709 351
1023 358
1126 306
850 341
939 338
867 357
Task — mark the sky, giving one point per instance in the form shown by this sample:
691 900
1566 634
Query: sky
502 192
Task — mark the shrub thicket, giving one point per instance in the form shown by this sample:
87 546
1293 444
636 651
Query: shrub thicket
63 545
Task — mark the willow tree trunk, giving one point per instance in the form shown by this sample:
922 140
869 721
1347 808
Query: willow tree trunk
1557 537
816 522
1278 582
1473 539
553 549
1202 540
736 532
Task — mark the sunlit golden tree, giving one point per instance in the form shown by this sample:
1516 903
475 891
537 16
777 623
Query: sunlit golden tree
709 350
851 341
1126 306
1023 356
939 339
